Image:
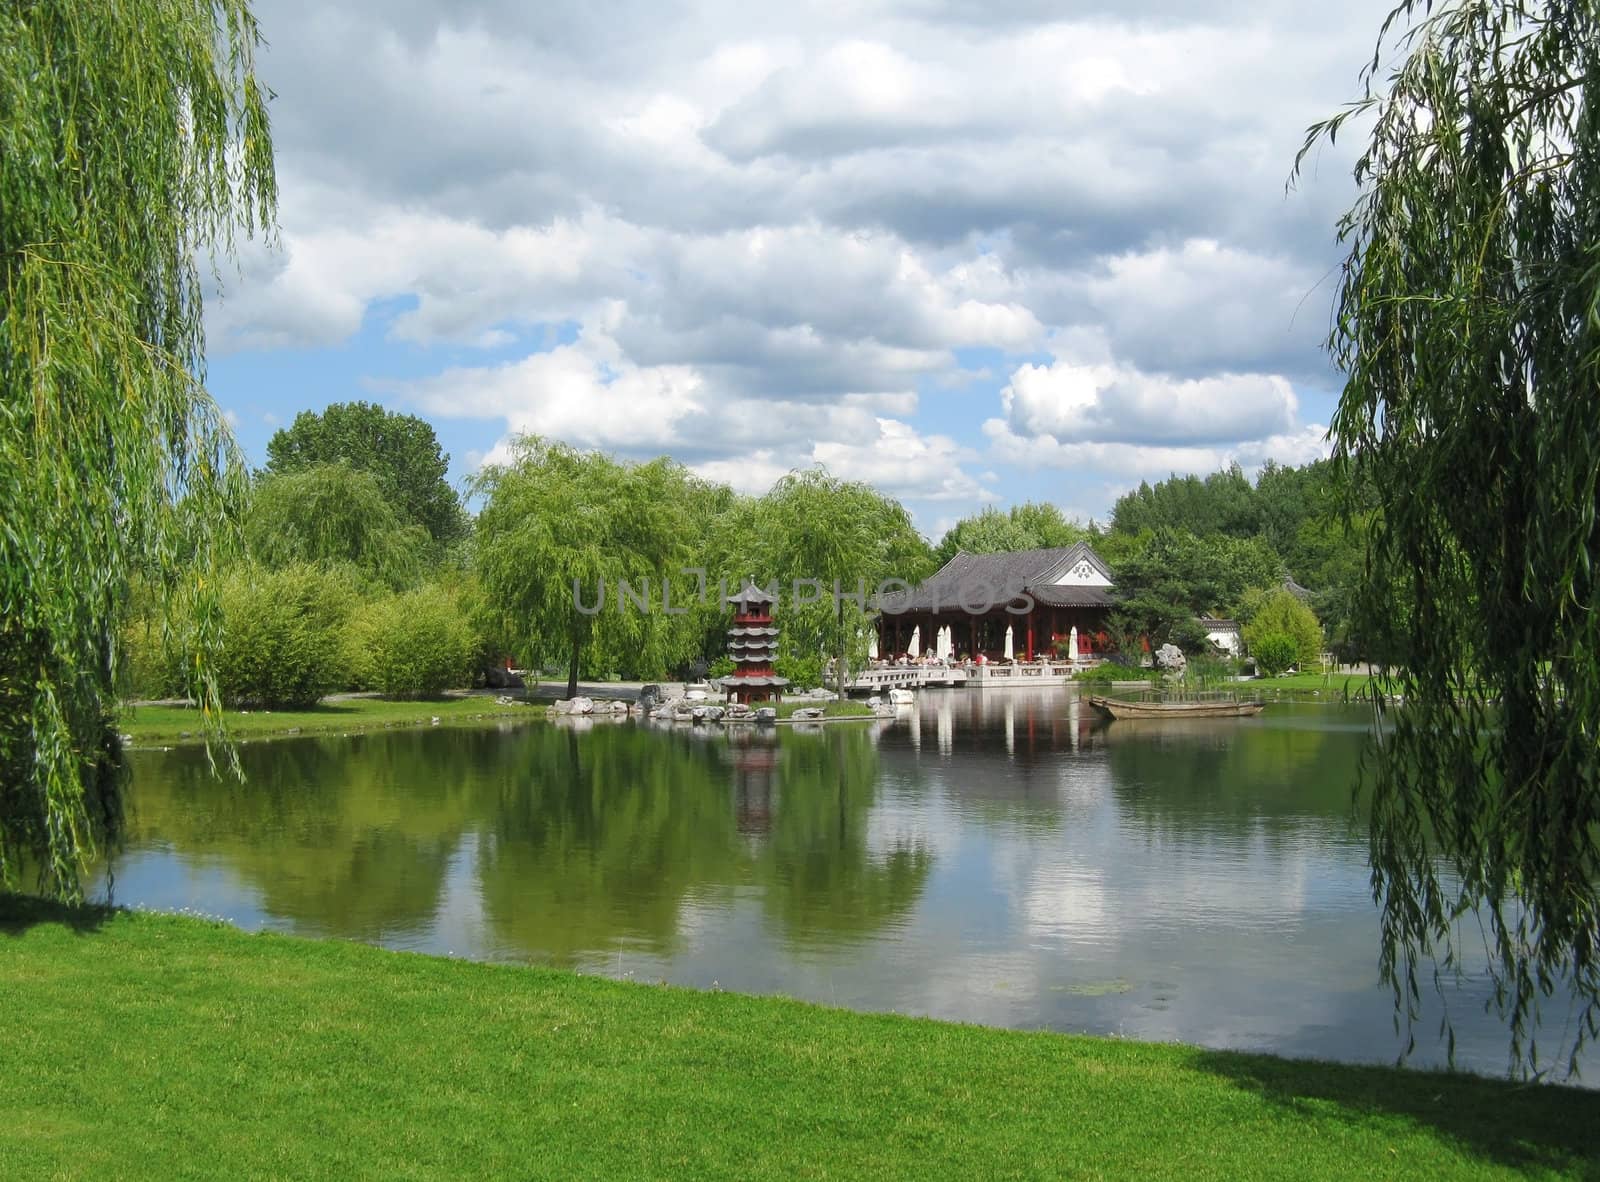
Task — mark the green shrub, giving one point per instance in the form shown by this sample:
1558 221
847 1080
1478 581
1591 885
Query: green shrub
1109 671
721 667
1274 652
416 645
283 636
1281 613
802 672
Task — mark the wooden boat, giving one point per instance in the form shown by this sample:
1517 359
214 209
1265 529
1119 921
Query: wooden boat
1121 708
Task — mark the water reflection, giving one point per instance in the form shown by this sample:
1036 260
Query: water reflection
1000 857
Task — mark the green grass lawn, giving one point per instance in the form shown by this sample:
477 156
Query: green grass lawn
178 724
1326 684
148 1046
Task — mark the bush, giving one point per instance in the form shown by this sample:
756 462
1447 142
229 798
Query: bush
283 636
1109 671
416 645
1274 652
1282 614
802 672
721 667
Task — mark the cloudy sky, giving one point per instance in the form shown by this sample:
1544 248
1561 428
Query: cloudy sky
972 251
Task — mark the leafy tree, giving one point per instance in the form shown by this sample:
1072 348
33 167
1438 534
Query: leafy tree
332 514
560 524
811 525
1221 503
133 140
284 636
1178 576
1280 613
400 450
1032 526
416 645
1468 321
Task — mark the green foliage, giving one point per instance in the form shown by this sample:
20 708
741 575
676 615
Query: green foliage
1274 652
557 519
1032 526
811 525
1109 671
1190 635
722 667
1468 323
400 451
416 645
133 140
332 515
1209 670
802 672
1177 576
284 635
1280 613
1222 503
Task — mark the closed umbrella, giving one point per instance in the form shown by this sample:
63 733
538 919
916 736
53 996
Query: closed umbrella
915 647
1008 642
872 646
1072 644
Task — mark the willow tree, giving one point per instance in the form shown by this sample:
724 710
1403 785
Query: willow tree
133 142
830 544
561 531
1467 322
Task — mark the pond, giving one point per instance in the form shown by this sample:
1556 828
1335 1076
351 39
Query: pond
1000 857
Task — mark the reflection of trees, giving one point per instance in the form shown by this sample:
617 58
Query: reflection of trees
350 837
822 879
586 842
1187 777
596 838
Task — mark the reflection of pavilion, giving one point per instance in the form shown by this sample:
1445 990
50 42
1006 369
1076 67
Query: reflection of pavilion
754 756
1031 721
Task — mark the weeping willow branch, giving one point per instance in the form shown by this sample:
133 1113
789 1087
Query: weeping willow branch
133 139
1465 324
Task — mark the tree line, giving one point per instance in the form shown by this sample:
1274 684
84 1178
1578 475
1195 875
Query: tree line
361 569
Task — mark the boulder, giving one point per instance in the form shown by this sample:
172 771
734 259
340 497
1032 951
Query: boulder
578 705
807 714
766 714
1171 661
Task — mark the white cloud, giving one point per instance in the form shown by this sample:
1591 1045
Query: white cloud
1107 402
808 215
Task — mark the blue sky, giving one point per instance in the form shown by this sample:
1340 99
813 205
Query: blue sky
972 253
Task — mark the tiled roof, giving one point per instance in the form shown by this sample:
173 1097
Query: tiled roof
750 593
1070 596
971 581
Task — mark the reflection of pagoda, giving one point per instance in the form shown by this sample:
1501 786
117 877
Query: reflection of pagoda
755 774
753 643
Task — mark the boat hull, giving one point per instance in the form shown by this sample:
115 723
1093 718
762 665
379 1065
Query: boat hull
1118 708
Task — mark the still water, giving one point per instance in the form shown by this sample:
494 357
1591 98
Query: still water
1000 857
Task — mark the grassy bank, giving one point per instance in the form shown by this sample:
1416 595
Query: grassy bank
1335 684
180 724
164 1047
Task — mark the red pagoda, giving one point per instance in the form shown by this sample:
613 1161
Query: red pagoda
753 643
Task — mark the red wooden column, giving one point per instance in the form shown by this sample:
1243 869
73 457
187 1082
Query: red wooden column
1030 636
